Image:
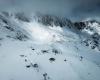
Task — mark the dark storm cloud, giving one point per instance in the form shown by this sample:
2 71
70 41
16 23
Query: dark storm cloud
75 9
87 8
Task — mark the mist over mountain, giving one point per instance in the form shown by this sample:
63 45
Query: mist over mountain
75 10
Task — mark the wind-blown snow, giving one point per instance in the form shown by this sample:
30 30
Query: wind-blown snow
39 33
44 34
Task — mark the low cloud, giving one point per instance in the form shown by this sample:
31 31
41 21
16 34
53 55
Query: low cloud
73 9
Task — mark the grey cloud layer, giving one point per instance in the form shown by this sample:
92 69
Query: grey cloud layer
71 8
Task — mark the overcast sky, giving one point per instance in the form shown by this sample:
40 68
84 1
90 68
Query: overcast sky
74 9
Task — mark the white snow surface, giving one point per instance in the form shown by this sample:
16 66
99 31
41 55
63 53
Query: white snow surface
73 60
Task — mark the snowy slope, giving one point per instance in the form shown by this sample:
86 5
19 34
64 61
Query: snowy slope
32 50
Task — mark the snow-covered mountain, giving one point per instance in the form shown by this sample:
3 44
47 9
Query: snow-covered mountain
48 47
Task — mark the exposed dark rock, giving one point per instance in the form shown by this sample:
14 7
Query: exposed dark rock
33 49
3 19
93 47
93 41
20 36
25 60
22 17
9 28
45 76
65 60
52 59
55 51
32 65
8 36
79 25
22 55
50 20
81 58
28 66
35 65
44 51
92 21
